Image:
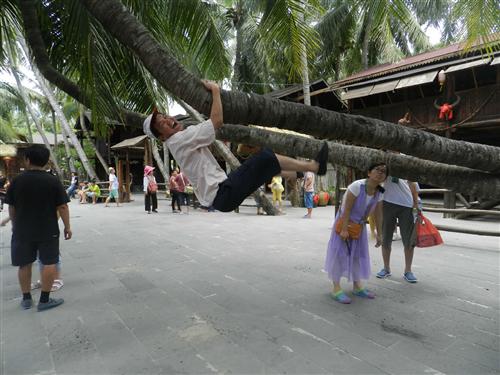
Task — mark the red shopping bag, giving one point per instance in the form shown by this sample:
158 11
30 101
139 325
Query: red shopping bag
427 233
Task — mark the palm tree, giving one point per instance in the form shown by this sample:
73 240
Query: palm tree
172 76
271 39
60 115
31 111
11 106
321 123
89 139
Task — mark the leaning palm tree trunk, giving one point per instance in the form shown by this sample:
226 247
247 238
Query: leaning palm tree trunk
479 183
69 157
228 156
94 148
34 117
60 115
159 162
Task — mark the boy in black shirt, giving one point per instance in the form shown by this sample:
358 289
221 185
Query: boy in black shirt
35 197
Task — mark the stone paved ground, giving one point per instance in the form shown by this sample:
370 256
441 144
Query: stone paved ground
245 294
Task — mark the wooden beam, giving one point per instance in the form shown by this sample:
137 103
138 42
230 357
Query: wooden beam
449 228
463 211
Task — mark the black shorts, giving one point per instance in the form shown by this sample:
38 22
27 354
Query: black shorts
242 182
404 216
24 252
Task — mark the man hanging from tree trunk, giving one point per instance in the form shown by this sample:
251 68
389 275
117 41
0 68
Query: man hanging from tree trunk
212 187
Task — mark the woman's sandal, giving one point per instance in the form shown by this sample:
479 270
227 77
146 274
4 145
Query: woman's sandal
58 284
364 293
341 297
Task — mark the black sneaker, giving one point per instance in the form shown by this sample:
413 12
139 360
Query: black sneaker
322 159
26 304
53 302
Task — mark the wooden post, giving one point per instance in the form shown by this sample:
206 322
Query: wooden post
119 172
449 198
127 179
450 202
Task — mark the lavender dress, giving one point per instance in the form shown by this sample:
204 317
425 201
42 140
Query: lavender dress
353 264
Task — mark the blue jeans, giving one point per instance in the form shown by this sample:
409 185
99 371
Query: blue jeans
71 191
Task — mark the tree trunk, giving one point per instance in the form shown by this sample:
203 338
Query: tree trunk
92 144
451 177
120 23
227 155
69 157
54 128
60 115
166 160
159 162
238 23
366 41
28 126
303 60
34 117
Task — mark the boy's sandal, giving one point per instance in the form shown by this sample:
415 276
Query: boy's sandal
341 297
58 284
364 293
36 285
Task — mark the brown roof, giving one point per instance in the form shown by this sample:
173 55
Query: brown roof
453 50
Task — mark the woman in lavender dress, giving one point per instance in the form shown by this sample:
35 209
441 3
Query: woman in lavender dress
347 257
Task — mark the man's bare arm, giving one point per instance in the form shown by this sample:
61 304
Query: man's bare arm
414 193
216 114
63 211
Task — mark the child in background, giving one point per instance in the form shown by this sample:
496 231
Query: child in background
277 188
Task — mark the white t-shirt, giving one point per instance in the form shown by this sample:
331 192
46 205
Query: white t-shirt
190 149
355 189
309 182
398 192
113 180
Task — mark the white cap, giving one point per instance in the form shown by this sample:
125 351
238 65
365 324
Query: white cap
146 126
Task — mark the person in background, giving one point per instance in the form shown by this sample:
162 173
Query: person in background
401 204
73 186
113 188
308 193
150 187
82 191
175 192
277 188
184 188
94 192
4 184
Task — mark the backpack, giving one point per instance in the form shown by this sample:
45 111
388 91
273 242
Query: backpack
152 186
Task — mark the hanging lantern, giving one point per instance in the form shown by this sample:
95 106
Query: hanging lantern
441 79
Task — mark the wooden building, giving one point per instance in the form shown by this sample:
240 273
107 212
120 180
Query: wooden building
468 79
